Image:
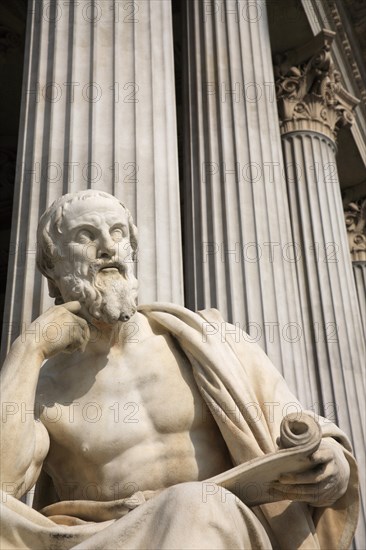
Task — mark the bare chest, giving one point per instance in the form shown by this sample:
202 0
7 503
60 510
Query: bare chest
110 404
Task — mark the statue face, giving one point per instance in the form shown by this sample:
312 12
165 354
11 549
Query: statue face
93 229
96 266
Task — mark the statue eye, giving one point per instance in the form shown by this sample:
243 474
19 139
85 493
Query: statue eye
117 234
84 236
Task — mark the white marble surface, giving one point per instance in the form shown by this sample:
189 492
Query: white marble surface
239 242
326 285
98 111
192 415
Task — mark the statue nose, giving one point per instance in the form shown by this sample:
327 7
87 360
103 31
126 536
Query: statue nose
124 317
106 247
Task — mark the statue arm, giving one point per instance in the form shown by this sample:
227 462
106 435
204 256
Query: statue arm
327 478
24 439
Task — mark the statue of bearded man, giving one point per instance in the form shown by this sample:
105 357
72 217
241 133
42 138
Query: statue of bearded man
130 410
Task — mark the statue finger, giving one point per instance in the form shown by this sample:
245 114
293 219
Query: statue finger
315 475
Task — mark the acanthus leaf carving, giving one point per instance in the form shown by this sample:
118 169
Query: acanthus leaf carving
355 219
310 94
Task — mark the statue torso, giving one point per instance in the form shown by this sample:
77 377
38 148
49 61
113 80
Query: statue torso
127 420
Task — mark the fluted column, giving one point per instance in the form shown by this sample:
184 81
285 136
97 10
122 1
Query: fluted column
313 105
355 217
238 246
98 112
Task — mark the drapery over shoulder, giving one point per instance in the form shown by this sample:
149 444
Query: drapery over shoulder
248 399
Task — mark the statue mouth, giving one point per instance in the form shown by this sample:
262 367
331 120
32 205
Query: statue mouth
112 268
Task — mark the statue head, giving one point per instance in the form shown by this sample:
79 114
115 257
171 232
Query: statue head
87 245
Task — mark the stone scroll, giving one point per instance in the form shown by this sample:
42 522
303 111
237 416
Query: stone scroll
252 482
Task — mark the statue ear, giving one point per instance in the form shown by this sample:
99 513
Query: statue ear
54 292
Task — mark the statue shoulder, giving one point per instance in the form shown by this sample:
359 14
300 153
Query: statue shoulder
179 311
211 315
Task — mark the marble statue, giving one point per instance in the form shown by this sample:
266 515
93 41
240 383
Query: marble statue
121 413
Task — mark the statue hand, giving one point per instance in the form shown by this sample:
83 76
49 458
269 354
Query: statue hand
61 330
324 483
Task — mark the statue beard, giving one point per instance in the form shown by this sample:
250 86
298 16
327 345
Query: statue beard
107 295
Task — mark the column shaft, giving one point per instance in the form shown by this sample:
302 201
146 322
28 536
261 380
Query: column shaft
359 273
355 218
98 112
327 289
313 107
238 244
325 274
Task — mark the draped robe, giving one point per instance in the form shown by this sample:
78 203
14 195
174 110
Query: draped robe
248 398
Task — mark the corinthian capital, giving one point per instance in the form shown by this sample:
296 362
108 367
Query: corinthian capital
309 91
355 217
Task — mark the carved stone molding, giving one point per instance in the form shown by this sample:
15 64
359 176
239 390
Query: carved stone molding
355 218
309 91
358 8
